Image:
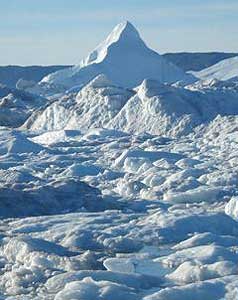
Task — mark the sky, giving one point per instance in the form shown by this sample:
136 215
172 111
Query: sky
47 32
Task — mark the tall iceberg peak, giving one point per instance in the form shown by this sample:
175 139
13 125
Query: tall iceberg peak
124 34
123 30
125 60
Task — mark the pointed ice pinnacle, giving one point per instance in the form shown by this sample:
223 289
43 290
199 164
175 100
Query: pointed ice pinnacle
125 60
124 33
126 27
124 30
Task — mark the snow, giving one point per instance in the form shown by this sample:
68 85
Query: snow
156 108
189 272
205 290
223 70
94 106
172 111
88 289
124 58
111 193
17 143
231 208
108 212
194 195
16 106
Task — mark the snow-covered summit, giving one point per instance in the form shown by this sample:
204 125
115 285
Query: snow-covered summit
123 33
124 58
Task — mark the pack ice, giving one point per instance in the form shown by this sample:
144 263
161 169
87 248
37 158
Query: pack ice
122 187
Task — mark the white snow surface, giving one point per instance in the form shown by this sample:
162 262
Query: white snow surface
124 58
102 214
109 192
231 208
152 107
94 106
223 70
16 106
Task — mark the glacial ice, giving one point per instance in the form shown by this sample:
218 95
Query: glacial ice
115 193
223 70
124 58
109 212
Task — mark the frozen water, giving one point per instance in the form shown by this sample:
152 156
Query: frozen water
115 193
223 70
154 108
112 214
16 106
124 58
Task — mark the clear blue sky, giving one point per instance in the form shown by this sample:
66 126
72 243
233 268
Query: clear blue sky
64 31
